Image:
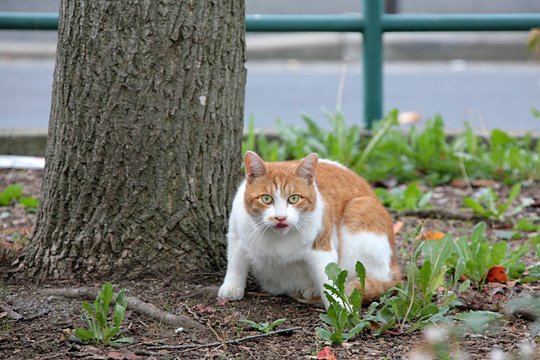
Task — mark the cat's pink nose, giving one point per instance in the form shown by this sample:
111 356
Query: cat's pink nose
280 218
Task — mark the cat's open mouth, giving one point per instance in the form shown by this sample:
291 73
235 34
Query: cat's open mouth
282 225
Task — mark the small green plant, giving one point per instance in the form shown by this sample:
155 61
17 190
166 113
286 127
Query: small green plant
343 319
99 329
29 203
527 306
510 159
528 225
340 143
11 193
402 199
270 150
534 40
536 113
14 192
478 321
416 303
491 206
263 327
427 154
474 256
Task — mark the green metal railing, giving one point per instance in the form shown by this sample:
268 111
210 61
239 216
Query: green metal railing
373 24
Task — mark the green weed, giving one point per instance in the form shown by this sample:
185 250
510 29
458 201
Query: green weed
491 206
527 306
343 319
13 193
536 113
402 199
263 327
340 143
415 303
474 256
428 154
270 150
29 203
430 291
510 159
99 329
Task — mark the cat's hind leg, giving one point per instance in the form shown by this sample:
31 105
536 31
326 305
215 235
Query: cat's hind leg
374 288
366 236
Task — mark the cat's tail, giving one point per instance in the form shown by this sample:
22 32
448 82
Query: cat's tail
374 288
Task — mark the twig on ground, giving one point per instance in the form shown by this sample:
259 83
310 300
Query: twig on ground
219 343
439 213
145 353
135 304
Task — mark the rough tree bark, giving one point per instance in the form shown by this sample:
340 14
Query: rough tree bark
144 139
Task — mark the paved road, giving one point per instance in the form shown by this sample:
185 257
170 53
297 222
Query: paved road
487 95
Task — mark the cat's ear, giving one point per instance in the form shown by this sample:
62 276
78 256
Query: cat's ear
306 168
254 165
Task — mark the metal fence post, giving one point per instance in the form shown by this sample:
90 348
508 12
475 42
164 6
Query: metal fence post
373 61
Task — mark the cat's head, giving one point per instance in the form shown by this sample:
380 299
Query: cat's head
280 195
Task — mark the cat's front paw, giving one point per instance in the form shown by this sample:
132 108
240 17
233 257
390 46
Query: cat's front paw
231 292
310 293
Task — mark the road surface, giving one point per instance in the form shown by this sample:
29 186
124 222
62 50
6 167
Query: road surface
487 95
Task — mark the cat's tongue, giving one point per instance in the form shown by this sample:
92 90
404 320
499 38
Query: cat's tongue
282 225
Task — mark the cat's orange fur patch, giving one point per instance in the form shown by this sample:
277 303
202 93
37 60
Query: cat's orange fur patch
374 288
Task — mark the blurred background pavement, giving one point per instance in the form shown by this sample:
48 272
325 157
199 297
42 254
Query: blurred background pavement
489 79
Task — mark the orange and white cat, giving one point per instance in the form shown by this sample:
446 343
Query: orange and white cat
290 219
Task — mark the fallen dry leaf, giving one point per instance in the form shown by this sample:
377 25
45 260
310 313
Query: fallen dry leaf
326 354
203 309
497 274
409 117
483 183
397 227
433 235
459 183
462 183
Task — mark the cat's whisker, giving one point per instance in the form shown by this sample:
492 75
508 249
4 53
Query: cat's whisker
258 228
300 226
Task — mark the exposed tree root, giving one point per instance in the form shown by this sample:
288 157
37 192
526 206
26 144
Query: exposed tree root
134 304
219 343
8 311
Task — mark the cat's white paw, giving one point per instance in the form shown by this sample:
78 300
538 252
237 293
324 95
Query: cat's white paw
310 292
231 292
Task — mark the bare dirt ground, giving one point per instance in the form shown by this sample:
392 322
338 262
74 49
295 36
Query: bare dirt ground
35 325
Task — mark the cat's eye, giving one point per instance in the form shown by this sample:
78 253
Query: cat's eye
267 199
293 199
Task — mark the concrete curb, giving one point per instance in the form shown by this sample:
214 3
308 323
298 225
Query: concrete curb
474 46
31 142
27 49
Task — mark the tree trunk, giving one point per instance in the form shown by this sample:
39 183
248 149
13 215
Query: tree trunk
144 147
